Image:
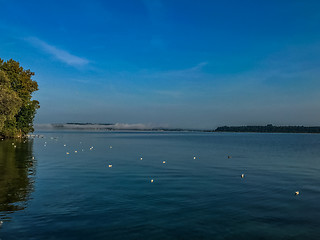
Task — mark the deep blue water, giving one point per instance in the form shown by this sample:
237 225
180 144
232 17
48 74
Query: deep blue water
78 196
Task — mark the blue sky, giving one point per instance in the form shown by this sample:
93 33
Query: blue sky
195 64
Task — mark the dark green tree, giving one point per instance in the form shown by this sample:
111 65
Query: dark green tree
17 109
10 103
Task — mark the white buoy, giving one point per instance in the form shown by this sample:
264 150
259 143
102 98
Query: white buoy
64 145
110 165
297 193
151 180
164 162
110 147
141 158
1 222
75 151
242 175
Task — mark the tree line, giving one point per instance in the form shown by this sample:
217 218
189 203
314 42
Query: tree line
17 109
270 128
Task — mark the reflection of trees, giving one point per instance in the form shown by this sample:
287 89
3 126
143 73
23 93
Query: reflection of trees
17 169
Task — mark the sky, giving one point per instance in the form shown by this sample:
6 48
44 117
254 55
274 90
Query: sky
170 63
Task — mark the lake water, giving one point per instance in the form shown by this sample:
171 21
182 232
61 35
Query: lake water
198 193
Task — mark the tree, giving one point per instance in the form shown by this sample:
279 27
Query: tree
10 103
17 109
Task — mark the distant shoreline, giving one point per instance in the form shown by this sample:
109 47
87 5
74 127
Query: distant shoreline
139 127
270 129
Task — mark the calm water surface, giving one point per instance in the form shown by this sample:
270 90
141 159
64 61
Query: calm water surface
46 193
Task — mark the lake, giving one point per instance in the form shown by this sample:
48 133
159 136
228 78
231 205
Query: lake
160 185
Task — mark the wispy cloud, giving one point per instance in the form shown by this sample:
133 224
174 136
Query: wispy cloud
175 74
170 84
57 53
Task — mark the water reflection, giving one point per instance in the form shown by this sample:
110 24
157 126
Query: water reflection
17 171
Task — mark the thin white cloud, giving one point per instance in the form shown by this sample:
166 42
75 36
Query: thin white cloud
59 54
199 66
176 74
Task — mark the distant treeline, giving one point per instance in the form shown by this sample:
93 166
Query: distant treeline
270 128
261 129
76 123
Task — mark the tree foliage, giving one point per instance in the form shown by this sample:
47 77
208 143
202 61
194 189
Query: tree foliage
270 129
17 109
